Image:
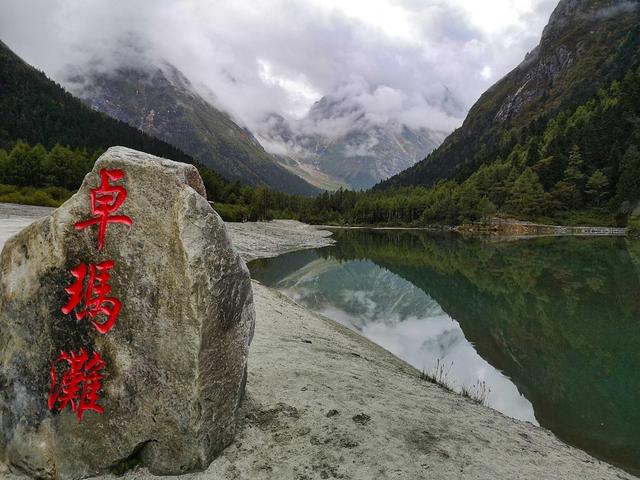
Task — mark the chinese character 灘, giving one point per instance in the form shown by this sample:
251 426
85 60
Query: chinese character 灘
79 386
96 299
105 200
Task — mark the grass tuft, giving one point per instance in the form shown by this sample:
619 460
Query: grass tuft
439 375
477 393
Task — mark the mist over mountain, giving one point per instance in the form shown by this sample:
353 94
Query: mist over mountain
354 140
37 110
162 102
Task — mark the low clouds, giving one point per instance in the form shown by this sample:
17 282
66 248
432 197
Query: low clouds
419 62
357 105
622 7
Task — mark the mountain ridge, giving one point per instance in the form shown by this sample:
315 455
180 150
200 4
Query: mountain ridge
337 144
38 110
163 103
586 45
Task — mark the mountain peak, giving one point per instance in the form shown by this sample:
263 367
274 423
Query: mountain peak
343 143
160 100
571 12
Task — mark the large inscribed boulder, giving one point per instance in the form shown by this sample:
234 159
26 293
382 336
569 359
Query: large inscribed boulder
130 344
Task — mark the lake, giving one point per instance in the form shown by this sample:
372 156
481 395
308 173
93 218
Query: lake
550 325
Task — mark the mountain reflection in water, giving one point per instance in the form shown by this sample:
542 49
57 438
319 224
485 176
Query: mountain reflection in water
551 325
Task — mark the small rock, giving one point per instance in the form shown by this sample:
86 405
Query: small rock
346 442
332 413
361 418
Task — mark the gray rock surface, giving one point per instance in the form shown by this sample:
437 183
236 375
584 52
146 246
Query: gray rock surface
24 213
176 357
536 82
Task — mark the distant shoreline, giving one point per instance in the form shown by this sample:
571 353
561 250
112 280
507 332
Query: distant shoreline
502 228
499 228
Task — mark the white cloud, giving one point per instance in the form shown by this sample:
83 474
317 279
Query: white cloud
300 91
400 58
494 15
486 72
389 18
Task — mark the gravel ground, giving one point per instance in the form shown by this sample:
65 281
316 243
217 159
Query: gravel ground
11 210
323 402
15 217
269 239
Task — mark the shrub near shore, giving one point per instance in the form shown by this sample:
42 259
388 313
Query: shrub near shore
633 227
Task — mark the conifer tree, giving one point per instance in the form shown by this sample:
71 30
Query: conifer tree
597 187
629 182
486 207
527 194
574 177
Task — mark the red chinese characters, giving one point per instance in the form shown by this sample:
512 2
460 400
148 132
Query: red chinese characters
95 295
79 386
105 200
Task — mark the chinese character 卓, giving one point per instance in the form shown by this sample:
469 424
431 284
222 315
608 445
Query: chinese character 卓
96 299
105 200
80 384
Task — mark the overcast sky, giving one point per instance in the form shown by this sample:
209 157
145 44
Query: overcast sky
400 57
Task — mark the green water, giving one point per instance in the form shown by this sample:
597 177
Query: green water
552 325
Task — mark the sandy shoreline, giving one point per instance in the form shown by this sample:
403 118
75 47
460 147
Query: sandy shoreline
510 231
324 402
270 239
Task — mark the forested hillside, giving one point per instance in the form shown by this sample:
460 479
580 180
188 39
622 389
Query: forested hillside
49 140
563 127
37 110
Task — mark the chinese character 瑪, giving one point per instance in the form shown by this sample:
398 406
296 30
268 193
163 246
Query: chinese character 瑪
105 200
96 299
79 386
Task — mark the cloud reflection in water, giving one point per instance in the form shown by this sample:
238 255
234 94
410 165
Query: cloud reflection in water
403 319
